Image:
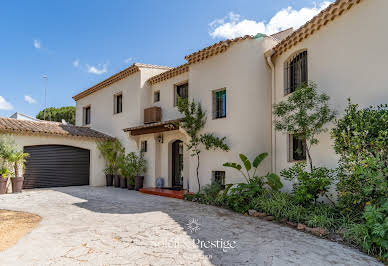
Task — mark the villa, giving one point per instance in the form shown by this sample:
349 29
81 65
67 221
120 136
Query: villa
237 81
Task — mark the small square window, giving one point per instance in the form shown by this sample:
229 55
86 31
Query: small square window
297 149
181 91
118 103
219 104
87 115
144 146
156 96
219 177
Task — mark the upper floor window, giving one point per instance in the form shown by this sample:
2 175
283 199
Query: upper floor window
219 104
181 91
118 103
297 148
86 115
295 72
156 96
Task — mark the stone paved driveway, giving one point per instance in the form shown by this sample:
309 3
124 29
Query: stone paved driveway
108 226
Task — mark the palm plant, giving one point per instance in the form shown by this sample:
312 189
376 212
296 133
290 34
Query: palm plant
271 179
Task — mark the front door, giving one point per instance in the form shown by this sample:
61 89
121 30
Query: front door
177 164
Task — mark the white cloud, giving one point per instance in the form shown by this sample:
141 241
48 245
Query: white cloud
37 44
129 59
76 63
232 26
4 105
98 70
29 99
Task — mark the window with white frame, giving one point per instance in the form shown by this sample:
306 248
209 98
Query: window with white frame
156 96
118 103
297 148
295 72
143 146
87 115
219 104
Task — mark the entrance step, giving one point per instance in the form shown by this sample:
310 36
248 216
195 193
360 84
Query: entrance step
178 194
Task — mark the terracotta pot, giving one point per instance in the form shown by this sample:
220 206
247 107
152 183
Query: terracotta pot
139 182
130 186
109 180
3 185
116 180
123 182
17 184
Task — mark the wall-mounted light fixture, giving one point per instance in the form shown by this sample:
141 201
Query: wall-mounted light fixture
160 138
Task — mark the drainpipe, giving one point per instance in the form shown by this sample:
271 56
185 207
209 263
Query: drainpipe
268 56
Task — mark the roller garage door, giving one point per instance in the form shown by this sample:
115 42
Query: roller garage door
56 166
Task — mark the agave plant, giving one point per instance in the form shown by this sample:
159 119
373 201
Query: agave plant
271 179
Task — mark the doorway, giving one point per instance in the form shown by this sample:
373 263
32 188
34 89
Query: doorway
177 164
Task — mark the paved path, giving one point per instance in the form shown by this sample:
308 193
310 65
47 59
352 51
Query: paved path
108 226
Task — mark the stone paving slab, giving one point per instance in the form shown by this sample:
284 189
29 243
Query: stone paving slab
112 226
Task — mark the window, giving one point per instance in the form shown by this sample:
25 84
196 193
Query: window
86 115
295 72
118 103
219 177
297 149
219 104
156 96
144 146
181 91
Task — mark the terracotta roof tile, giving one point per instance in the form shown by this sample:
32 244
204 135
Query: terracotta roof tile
116 77
169 73
25 127
214 49
330 13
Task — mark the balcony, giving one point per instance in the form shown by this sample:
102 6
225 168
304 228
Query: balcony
152 115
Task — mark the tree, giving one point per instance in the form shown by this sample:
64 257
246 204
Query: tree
57 114
304 115
193 122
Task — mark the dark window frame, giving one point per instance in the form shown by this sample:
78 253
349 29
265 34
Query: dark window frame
143 145
87 117
219 103
219 177
156 96
184 93
118 103
297 149
295 72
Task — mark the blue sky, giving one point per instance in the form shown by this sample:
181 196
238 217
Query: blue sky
79 43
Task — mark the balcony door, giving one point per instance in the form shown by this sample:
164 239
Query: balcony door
177 164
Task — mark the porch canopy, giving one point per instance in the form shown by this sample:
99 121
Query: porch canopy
154 127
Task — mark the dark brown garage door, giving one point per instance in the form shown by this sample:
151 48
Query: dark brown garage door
56 166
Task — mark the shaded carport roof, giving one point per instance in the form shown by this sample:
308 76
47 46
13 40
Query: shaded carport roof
25 127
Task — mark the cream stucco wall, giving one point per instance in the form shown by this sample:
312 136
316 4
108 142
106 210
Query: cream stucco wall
97 164
243 72
346 58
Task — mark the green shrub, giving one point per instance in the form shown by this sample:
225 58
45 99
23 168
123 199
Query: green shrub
240 198
309 185
361 140
373 234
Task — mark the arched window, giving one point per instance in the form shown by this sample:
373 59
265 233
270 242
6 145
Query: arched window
295 72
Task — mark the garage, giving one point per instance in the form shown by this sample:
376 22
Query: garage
56 166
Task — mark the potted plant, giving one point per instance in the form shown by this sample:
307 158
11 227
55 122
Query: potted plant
126 169
139 168
3 180
18 159
111 150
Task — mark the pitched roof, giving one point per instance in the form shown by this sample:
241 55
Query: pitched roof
26 127
116 77
330 13
169 73
281 35
214 49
